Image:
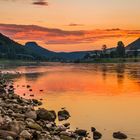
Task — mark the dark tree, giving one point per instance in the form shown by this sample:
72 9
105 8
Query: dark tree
104 47
120 49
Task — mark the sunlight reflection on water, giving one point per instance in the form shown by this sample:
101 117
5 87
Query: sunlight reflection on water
106 96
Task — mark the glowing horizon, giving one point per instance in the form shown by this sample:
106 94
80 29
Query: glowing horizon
71 25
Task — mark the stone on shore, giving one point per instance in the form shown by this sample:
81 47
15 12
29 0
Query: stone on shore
25 134
5 134
119 135
34 125
64 137
44 114
81 132
16 126
66 124
96 135
31 114
9 138
63 115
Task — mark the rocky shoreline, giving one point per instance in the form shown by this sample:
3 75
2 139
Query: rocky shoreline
19 120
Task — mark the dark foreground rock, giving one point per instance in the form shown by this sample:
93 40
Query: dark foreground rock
96 135
63 115
119 135
81 132
46 115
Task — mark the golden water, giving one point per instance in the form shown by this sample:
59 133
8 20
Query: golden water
105 96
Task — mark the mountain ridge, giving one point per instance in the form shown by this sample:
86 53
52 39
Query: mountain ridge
35 50
134 45
11 49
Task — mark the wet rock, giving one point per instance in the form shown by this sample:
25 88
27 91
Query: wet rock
9 138
30 90
65 133
64 137
66 124
28 86
5 134
25 134
32 95
119 135
30 120
63 115
2 90
49 125
34 126
93 129
16 126
1 120
61 128
18 115
7 119
31 114
36 102
81 132
44 114
96 135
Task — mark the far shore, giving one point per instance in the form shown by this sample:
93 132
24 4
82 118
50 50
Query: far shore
6 62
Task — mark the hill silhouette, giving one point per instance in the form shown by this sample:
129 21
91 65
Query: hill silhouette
31 50
10 48
134 45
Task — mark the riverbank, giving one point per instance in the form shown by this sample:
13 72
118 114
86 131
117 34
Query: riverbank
4 63
109 60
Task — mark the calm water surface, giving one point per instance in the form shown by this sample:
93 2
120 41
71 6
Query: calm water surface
106 96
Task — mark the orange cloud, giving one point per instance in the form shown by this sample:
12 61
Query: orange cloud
75 24
58 36
40 2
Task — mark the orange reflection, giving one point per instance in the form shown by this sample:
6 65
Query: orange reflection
106 96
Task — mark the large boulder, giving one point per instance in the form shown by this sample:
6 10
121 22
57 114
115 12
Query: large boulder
63 115
119 135
34 125
25 135
31 115
81 132
16 126
5 134
96 135
44 114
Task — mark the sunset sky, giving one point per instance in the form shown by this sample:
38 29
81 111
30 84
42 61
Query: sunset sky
71 25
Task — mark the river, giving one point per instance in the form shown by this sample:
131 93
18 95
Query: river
105 96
